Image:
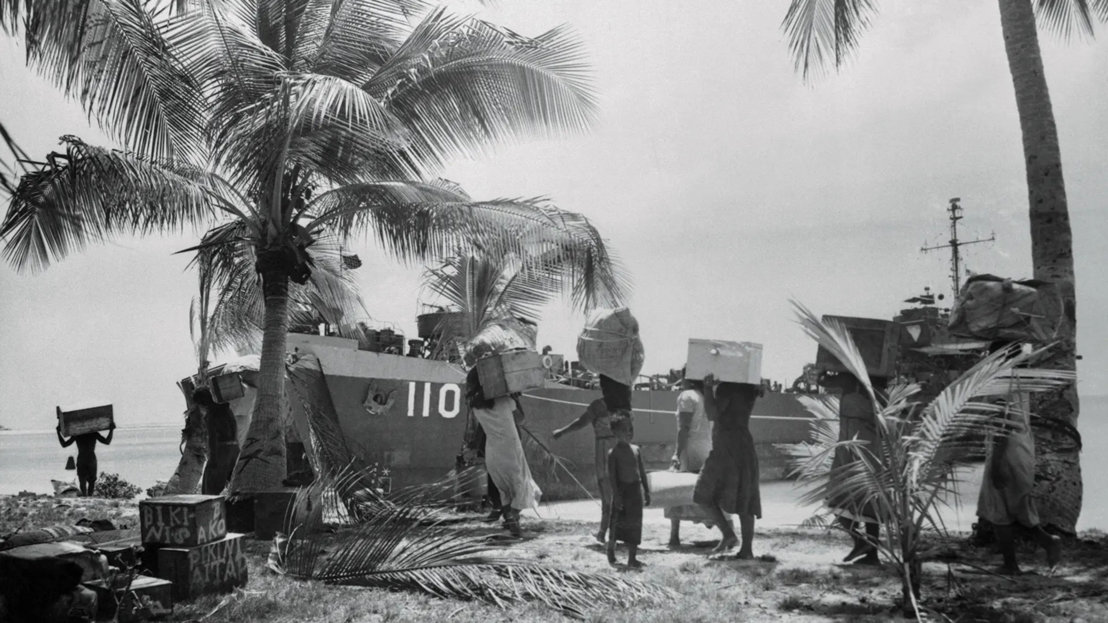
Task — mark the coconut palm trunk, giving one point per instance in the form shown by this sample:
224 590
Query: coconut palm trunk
261 463
1058 470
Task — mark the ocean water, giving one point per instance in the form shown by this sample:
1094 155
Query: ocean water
29 460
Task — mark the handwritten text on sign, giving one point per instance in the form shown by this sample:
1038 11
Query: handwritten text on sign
182 524
216 566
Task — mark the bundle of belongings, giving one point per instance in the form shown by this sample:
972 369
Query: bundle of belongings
610 345
500 335
997 309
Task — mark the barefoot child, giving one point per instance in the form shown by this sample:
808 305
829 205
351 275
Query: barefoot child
630 490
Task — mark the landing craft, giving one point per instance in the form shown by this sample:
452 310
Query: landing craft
408 414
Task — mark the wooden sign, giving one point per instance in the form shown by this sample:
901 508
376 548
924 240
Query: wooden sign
182 520
216 567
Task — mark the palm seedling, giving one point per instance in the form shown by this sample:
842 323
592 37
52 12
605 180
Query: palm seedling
902 479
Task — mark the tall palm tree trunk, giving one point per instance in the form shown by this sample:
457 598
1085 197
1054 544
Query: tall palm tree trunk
1058 470
261 463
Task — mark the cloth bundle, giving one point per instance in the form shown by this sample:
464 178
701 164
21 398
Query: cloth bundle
993 308
610 345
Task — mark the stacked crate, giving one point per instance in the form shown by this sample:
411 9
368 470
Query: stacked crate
187 543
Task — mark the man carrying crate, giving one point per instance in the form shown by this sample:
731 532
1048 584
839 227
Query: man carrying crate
86 455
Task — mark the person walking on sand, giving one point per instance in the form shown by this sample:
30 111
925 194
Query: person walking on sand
600 418
1005 498
728 482
504 459
694 431
630 490
857 420
86 456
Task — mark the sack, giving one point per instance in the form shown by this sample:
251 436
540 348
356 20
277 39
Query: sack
610 345
499 335
992 308
70 463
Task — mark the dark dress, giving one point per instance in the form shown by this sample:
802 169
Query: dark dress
223 447
729 478
617 396
626 472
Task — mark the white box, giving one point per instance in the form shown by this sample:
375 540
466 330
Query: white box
731 362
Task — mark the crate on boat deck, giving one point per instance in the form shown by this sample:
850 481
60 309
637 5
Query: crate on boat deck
182 520
147 597
216 567
84 419
227 387
510 371
876 340
729 362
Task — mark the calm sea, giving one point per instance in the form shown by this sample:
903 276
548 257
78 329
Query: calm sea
145 455
29 460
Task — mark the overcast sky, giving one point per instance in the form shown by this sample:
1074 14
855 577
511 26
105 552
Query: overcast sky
725 184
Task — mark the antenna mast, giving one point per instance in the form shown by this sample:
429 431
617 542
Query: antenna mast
954 244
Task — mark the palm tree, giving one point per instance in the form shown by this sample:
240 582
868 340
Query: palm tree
901 480
293 119
826 32
563 254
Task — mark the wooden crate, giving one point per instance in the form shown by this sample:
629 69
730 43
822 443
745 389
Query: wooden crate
81 420
227 387
730 362
876 340
154 597
510 372
182 520
216 567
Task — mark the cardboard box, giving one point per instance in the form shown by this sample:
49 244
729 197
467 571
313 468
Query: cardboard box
216 567
876 340
148 597
510 372
81 420
187 520
227 387
730 362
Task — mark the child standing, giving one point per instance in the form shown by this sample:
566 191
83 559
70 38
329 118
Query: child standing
630 490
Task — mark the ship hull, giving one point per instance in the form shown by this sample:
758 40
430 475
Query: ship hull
408 415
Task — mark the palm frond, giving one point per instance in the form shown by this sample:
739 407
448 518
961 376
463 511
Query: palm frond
361 36
1071 18
88 194
112 55
832 335
403 547
825 32
462 84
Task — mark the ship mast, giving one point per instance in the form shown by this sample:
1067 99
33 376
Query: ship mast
954 245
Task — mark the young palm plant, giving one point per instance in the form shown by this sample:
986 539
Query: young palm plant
295 119
901 481
402 542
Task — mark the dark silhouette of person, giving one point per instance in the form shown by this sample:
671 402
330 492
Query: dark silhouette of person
86 456
223 442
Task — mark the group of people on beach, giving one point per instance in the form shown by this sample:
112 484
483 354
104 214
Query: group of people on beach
728 479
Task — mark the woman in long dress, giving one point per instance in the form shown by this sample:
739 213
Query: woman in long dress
728 482
504 458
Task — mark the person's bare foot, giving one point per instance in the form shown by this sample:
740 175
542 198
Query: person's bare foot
673 544
745 554
725 544
858 549
611 554
1009 570
636 564
870 559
